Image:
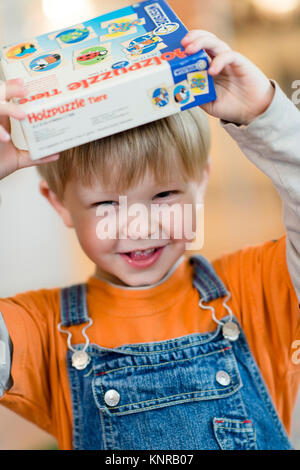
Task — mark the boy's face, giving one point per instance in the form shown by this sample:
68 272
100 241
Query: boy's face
111 229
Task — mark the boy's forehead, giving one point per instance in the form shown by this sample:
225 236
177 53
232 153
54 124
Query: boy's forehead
147 182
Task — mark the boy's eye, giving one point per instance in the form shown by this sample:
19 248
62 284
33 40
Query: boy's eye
166 194
102 203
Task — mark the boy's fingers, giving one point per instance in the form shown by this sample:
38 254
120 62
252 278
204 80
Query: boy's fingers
15 90
194 34
12 110
12 88
211 44
24 160
4 135
221 60
51 158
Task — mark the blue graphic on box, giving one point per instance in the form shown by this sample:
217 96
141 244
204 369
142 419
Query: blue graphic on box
182 94
123 26
143 44
148 27
120 65
74 35
45 62
162 21
160 97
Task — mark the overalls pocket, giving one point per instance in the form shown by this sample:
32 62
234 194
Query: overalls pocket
167 399
160 380
235 434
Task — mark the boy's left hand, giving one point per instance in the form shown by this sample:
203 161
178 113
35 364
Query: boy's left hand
243 91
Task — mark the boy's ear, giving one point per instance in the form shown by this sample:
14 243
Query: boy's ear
201 187
56 203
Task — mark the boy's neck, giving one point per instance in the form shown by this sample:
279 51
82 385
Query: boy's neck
105 276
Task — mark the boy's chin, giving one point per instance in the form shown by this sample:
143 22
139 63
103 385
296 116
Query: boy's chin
141 280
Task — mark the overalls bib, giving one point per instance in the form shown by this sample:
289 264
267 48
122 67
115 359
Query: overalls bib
198 391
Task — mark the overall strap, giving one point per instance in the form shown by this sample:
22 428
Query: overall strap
73 308
206 279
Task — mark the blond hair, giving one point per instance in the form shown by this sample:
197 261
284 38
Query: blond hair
178 141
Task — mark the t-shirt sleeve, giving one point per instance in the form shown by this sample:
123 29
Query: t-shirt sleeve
5 358
27 391
265 300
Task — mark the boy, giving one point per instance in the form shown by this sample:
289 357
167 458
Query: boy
153 371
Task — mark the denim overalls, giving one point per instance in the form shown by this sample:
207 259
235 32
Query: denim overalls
199 391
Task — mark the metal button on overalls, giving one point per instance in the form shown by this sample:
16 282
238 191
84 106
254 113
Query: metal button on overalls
112 397
223 378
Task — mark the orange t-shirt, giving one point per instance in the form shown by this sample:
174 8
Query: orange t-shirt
263 300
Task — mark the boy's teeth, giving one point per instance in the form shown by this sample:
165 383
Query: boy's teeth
145 252
141 253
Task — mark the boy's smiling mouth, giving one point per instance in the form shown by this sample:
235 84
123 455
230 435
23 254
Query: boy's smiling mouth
143 258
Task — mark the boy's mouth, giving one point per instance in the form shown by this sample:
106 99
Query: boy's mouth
142 258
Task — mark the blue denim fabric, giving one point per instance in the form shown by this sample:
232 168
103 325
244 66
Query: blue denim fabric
170 398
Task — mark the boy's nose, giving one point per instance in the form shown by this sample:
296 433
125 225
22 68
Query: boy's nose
139 226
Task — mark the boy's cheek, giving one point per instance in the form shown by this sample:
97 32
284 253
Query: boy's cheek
91 242
181 223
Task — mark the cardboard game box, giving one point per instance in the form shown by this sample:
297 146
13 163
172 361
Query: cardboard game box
103 76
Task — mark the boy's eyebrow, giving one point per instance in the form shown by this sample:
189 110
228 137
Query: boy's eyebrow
114 191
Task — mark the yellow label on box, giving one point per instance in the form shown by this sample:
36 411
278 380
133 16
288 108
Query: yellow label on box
198 82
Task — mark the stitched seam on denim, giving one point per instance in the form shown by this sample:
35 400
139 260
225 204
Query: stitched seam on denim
79 408
103 429
185 346
89 372
109 420
254 432
163 363
205 269
217 289
247 430
205 291
236 369
196 343
207 338
178 395
99 407
73 378
263 391
171 403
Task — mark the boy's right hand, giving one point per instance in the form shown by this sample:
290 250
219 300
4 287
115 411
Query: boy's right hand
11 158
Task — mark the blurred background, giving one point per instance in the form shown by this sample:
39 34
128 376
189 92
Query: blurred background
241 207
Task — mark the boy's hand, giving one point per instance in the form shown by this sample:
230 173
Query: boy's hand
11 158
243 91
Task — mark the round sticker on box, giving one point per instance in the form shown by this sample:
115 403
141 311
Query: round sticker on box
182 94
92 55
201 64
72 36
45 62
120 65
143 44
21 51
166 28
160 97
